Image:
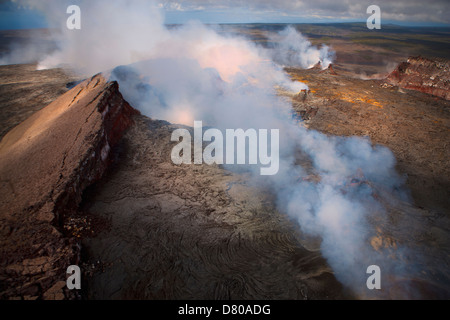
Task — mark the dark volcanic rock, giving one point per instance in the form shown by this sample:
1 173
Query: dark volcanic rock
424 75
25 90
45 164
329 70
193 232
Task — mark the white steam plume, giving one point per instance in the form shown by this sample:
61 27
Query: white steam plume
192 73
291 48
30 49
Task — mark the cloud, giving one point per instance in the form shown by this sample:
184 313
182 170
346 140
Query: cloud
434 11
400 10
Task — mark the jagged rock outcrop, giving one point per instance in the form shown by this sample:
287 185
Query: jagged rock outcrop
329 70
46 163
424 75
317 66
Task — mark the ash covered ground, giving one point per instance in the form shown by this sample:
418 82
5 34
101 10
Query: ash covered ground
152 230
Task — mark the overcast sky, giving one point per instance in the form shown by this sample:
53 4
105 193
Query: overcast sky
412 12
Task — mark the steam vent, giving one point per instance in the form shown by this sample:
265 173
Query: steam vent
45 164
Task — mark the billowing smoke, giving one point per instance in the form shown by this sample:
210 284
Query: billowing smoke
196 74
330 185
29 50
291 48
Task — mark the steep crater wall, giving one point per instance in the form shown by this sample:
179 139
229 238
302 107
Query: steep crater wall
424 75
46 162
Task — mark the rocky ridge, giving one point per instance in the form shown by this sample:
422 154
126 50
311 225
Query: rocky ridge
424 75
46 163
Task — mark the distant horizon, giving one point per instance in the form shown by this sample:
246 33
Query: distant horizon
14 16
386 24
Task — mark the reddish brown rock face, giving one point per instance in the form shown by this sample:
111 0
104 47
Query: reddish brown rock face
45 164
330 70
424 75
